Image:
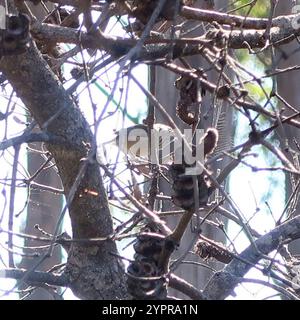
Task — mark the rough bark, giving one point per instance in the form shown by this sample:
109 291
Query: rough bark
94 271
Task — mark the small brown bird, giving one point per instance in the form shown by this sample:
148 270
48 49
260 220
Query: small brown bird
142 147
157 146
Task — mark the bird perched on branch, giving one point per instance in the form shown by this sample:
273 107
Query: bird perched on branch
143 146
159 145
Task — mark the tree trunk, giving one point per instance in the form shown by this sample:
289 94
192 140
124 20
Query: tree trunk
44 208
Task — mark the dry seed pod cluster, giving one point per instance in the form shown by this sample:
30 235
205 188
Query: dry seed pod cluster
144 277
189 102
183 187
217 251
184 184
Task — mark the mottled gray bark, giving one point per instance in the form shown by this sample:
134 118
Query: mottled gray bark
94 271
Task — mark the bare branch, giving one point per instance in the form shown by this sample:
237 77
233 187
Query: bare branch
36 277
223 282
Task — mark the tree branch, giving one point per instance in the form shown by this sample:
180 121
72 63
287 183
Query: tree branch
35 277
29 137
281 33
223 282
223 18
181 285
